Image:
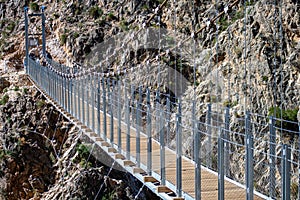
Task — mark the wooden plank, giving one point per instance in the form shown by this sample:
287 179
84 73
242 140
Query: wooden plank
111 150
150 179
128 163
137 170
119 156
163 189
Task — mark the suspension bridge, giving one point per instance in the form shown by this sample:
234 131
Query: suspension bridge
150 133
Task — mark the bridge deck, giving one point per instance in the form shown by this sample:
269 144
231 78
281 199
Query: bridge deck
209 180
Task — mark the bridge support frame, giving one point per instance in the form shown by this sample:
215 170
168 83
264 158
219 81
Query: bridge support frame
286 176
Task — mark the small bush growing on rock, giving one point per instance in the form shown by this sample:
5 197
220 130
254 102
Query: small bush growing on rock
95 12
124 26
34 7
63 39
289 116
11 26
40 104
83 152
4 100
111 16
16 88
25 90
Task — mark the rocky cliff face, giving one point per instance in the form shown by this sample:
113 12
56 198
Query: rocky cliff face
42 155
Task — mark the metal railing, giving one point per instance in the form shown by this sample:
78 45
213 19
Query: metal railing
254 151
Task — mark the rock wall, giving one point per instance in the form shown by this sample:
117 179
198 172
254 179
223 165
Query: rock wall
43 156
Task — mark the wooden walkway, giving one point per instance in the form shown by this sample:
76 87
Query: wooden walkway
209 180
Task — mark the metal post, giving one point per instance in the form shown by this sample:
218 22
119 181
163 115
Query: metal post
110 112
83 99
60 90
149 135
178 152
249 158
64 92
127 118
286 169
197 157
138 127
162 148
88 91
226 143
272 157
98 107
220 165
168 118
26 64
78 98
43 31
119 117
104 108
208 128
93 78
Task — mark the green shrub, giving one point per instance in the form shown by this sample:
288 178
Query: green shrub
289 115
25 90
4 100
124 26
83 152
95 12
34 7
110 16
11 26
40 104
75 35
230 104
265 78
63 39
16 88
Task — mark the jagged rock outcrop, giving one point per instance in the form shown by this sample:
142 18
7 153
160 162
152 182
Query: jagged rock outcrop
42 156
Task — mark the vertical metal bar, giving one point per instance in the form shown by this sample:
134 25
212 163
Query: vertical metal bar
83 100
43 31
60 90
64 90
26 63
249 158
127 116
197 157
119 117
98 107
149 135
69 95
208 128
138 127
162 148
104 109
168 117
75 99
272 157
110 111
286 169
78 98
88 90
226 143
179 152
93 79
220 165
